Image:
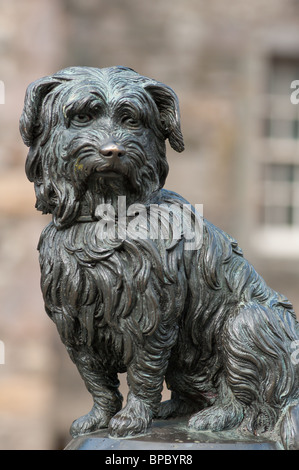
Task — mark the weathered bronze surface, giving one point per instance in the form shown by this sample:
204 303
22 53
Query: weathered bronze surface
137 282
175 435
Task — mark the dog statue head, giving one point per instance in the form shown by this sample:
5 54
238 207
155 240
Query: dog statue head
95 134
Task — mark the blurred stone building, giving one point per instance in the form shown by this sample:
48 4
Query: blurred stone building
232 64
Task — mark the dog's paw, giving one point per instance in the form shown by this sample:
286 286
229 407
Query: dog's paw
217 418
133 419
95 419
289 428
168 409
175 407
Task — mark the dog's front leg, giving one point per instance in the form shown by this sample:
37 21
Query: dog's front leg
145 379
103 386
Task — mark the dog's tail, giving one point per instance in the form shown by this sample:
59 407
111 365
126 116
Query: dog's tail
288 427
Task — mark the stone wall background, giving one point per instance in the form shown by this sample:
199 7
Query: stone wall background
212 54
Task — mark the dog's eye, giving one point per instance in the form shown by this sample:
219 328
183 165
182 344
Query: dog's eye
130 121
82 118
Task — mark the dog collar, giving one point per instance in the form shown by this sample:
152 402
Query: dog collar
86 218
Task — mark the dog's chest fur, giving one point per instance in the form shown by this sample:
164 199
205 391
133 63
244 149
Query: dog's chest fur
107 293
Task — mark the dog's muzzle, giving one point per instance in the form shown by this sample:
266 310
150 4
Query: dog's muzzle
104 159
112 150
110 154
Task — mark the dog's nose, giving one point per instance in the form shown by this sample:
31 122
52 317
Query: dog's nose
112 149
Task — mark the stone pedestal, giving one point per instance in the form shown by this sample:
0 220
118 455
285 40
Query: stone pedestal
173 435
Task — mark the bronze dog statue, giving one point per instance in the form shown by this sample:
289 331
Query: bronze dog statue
202 318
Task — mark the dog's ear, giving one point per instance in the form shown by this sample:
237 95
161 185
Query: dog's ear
168 106
35 93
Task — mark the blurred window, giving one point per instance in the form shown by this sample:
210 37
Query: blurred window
281 132
277 233
281 194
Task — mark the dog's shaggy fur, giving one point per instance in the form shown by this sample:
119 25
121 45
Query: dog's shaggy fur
202 319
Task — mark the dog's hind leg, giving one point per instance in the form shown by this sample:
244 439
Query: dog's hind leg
289 428
226 413
258 376
176 406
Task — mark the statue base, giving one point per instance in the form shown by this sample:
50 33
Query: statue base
174 435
